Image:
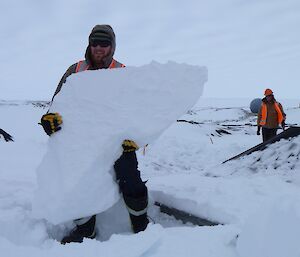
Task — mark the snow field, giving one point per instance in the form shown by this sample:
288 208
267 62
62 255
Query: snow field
258 206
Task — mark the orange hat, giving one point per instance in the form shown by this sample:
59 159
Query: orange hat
268 91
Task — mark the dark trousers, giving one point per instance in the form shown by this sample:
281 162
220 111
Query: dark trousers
128 176
131 186
134 190
268 133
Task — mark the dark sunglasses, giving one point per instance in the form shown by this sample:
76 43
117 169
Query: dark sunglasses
102 43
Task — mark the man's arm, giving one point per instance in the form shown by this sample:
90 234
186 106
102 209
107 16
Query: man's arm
259 117
70 70
51 121
258 121
284 116
282 111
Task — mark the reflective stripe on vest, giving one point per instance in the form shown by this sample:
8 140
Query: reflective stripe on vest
83 66
115 64
137 213
264 112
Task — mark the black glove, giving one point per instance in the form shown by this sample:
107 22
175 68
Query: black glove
283 125
129 146
51 122
7 137
258 130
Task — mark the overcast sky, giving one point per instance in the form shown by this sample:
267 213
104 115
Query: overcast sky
247 45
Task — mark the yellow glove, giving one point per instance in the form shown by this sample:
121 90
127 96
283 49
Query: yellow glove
51 122
129 146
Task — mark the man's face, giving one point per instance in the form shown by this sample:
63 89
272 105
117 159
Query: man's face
99 51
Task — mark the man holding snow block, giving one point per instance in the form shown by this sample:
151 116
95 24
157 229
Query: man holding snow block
270 116
99 55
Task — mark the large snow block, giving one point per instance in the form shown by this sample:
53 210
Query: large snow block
100 109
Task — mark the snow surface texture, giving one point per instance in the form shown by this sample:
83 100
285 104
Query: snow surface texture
100 109
183 167
274 232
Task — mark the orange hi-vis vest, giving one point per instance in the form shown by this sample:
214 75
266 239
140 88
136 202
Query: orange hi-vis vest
82 65
264 112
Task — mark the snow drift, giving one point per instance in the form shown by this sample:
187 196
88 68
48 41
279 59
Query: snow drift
100 109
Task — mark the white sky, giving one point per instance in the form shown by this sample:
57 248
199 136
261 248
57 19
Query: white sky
246 45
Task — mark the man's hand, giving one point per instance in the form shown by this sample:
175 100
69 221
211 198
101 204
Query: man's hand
258 130
7 137
51 122
283 125
129 146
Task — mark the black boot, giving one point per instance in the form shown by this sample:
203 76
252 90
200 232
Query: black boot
139 223
137 208
86 230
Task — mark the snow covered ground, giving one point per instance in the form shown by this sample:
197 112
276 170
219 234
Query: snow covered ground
258 202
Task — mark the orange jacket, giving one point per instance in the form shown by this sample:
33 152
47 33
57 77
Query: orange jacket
83 65
268 121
